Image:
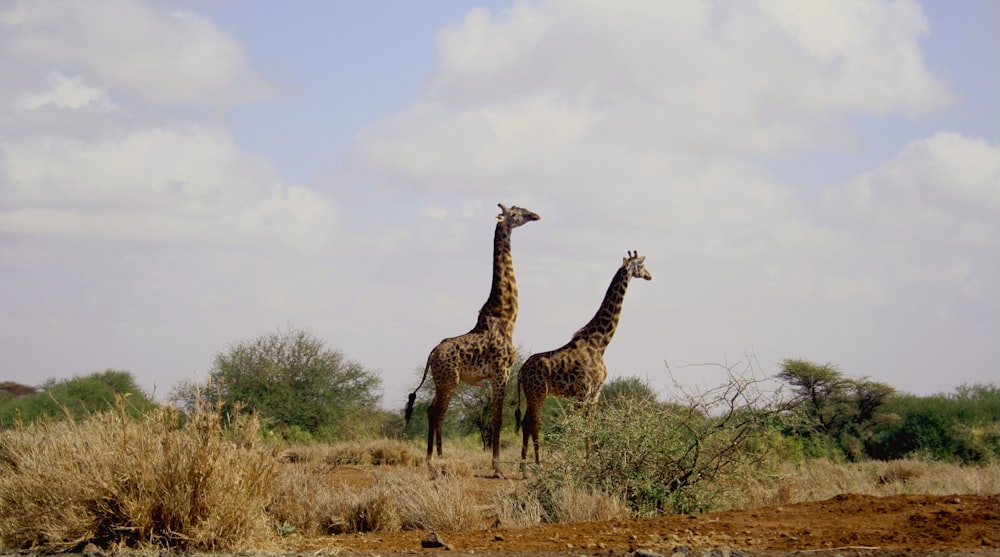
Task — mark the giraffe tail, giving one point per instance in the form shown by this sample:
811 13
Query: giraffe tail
517 413
413 397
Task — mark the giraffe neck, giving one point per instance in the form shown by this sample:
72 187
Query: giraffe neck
500 310
601 328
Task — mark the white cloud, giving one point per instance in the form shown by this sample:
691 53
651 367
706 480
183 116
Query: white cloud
179 184
91 149
134 48
65 92
128 206
861 55
653 125
554 89
944 189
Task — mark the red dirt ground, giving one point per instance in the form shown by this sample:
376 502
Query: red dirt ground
845 525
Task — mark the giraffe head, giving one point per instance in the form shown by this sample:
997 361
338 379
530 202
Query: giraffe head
515 216
636 265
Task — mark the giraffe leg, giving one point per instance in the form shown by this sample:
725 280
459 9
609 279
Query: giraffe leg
531 424
589 407
527 426
432 418
435 421
523 423
536 424
499 392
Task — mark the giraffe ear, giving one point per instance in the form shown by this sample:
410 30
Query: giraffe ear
503 212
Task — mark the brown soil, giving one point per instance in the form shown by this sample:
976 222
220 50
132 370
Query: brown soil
844 525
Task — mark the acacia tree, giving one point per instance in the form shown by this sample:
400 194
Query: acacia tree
846 411
292 380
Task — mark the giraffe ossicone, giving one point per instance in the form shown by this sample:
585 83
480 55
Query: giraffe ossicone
486 352
576 370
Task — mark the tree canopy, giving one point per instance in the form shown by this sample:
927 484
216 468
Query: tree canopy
297 385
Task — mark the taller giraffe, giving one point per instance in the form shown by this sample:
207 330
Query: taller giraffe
485 352
576 370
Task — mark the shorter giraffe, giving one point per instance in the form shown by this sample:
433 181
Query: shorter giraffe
577 369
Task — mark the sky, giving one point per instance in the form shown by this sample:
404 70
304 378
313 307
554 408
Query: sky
810 180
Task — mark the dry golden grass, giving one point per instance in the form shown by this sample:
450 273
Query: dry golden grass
426 503
377 452
515 509
576 504
303 501
820 479
157 482
520 507
396 490
118 481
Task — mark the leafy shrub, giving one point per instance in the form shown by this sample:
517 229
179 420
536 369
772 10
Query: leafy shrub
960 427
660 458
301 389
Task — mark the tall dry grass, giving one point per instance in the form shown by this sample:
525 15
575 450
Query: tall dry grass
373 452
397 490
119 481
526 506
820 479
161 481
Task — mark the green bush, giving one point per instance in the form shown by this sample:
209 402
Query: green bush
293 382
960 427
75 398
660 458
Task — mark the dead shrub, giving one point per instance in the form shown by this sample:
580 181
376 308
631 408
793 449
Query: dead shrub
580 504
433 504
374 510
517 509
556 501
819 479
378 452
302 500
901 471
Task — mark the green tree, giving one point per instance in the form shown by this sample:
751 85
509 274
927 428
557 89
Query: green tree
820 393
833 412
963 426
296 384
76 397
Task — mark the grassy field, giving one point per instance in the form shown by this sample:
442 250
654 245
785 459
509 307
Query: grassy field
192 484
